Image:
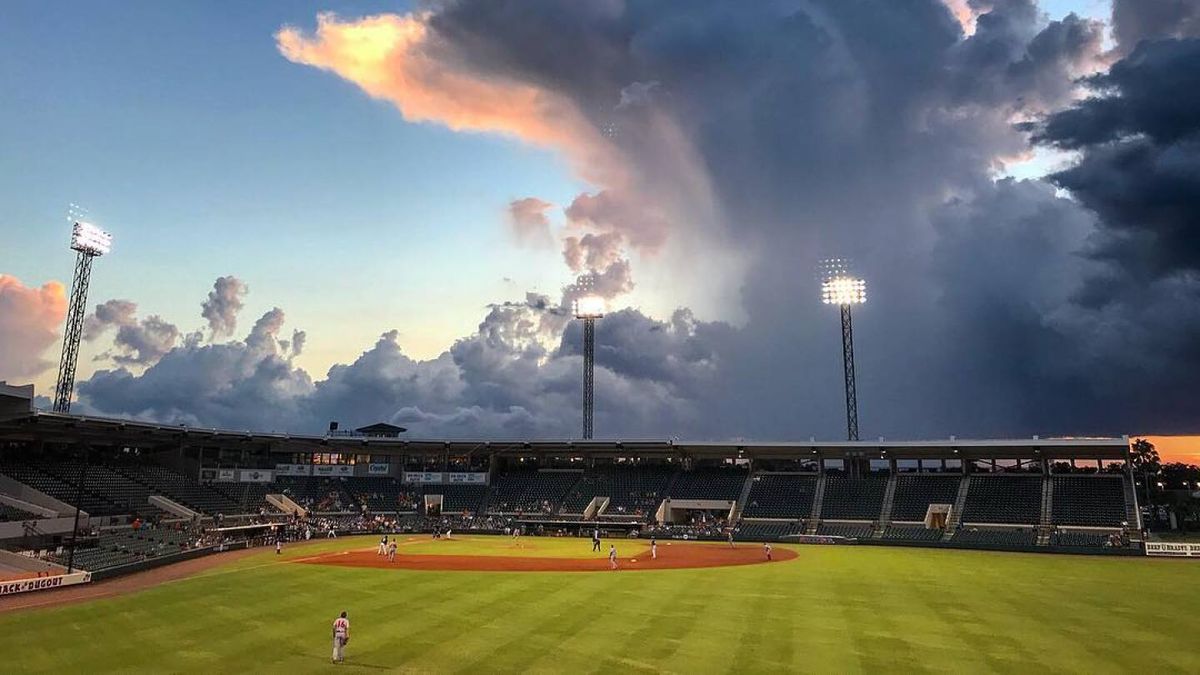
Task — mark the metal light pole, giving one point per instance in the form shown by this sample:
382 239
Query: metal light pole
589 309
90 242
843 290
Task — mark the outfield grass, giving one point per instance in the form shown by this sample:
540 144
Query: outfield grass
834 609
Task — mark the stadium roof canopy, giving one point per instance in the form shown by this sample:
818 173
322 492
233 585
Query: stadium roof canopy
110 433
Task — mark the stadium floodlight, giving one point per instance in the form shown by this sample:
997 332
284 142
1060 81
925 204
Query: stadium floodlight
589 308
840 287
90 242
89 239
844 291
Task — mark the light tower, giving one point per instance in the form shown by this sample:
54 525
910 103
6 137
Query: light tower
840 288
589 308
90 242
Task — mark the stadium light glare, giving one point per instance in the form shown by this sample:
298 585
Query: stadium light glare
589 307
89 239
844 291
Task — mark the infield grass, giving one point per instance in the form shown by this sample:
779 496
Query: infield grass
834 609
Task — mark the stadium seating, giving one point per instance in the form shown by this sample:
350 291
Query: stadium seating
780 495
855 530
853 498
632 490
531 491
181 489
319 494
50 484
915 492
1089 501
122 547
1003 499
459 497
995 536
708 483
12 513
383 494
767 530
912 533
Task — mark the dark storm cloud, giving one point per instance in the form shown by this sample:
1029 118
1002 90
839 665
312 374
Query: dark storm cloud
789 131
1137 20
1139 167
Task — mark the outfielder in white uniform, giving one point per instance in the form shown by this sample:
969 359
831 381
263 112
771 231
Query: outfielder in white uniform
612 556
341 636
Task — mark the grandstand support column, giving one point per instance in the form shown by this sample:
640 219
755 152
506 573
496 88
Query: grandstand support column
83 472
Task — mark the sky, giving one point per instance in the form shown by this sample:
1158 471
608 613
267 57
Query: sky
385 213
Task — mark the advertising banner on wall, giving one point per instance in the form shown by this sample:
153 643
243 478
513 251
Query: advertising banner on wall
422 477
323 470
293 469
1173 550
207 475
255 476
343 470
473 477
226 475
44 583
376 469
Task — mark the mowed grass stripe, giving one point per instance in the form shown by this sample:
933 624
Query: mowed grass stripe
843 609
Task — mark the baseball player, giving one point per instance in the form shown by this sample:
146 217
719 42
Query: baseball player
729 536
341 637
596 540
278 545
383 543
391 554
767 550
612 556
653 548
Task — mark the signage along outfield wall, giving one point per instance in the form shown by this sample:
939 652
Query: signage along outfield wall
1173 550
474 478
379 469
422 477
333 470
44 583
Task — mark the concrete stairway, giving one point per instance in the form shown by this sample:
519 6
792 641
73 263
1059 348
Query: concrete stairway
818 501
960 501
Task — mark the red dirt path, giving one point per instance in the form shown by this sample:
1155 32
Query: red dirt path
676 557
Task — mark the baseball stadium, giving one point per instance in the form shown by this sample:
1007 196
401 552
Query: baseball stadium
133 546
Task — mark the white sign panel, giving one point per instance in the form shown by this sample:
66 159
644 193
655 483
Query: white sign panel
227 475
255 476
343 470
293 469
1173 550
473 477
376 469
323 470
422 477
43 583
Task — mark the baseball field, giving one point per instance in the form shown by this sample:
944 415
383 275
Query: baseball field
813 608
